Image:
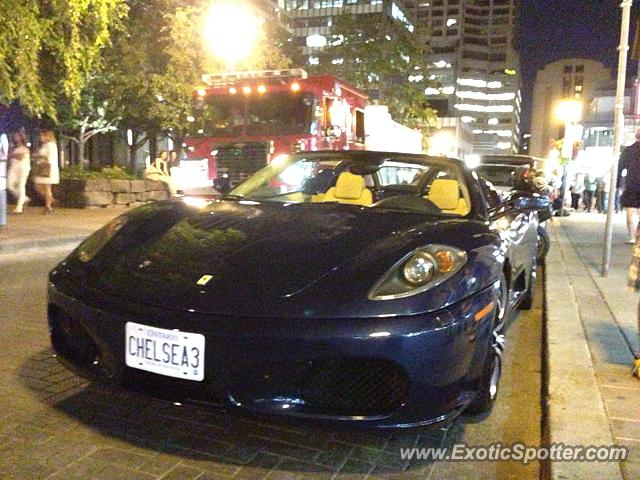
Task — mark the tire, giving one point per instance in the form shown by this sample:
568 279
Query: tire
542 245
492 368
526 303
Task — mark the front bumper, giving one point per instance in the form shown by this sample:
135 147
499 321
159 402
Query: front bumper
377 372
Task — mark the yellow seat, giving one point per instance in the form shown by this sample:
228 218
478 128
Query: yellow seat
351 189
445 194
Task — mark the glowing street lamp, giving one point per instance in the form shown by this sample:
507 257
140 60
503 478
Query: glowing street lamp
569 111
231 30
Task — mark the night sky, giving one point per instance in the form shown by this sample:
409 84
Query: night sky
555 29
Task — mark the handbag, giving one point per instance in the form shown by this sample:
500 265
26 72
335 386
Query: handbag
42 169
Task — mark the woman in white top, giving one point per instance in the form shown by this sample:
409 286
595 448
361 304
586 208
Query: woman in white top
48 153
20 164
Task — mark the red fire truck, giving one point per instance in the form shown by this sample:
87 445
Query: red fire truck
246 119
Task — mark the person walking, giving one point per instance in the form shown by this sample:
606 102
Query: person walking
576 189
629 170
589 192
46 171
20 164
601 195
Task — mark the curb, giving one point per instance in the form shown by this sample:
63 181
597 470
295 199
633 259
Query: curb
575 408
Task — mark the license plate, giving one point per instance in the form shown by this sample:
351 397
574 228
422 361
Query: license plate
166 352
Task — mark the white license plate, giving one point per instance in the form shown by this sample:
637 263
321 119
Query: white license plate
165 352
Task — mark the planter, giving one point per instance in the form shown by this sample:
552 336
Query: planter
106 193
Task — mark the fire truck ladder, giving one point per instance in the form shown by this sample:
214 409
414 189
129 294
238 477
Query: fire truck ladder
221 79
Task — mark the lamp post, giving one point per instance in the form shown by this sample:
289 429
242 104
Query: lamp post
569 113
618 131
232 30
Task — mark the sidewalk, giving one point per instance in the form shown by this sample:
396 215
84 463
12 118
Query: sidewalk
592 332
64 228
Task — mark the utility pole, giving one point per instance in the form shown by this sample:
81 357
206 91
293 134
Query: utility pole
618 130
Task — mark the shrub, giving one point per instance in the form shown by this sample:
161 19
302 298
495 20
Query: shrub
76 172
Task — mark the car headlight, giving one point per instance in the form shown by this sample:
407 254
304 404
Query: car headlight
96 242
419 271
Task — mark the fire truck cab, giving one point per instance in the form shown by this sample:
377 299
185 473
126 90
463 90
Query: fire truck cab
244 120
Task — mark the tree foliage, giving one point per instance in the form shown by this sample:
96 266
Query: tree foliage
50 49
384 59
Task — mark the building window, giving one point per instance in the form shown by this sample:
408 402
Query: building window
568 69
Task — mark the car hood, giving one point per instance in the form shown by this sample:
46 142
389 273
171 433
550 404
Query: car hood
245 257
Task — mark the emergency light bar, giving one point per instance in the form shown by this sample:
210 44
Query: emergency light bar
221 79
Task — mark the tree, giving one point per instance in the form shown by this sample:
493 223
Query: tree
49 50
137 54
384 59
94 115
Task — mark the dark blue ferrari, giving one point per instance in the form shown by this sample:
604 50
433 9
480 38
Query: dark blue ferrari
362 287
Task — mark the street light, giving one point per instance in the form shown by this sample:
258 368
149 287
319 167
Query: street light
569 112
231 31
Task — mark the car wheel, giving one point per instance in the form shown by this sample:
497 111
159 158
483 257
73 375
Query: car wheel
492 369
542 245
527 298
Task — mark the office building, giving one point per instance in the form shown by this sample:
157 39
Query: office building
573 78
476 66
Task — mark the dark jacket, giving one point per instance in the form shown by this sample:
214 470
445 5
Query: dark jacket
630 159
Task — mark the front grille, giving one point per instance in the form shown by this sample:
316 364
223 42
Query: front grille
71 341
240 160
334 386
173 389
353 386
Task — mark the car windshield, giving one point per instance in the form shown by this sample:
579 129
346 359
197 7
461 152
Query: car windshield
497 175
278 113
415 184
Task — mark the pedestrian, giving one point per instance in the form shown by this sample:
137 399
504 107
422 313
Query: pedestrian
159 171
20 164
576 189
589 192
629 170
45 170
600 195
174 160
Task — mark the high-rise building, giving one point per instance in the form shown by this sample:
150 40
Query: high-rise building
476 66
565 79
310 21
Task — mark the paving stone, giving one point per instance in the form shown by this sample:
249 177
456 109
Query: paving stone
160 464
258 467
182 472
121 457
87 468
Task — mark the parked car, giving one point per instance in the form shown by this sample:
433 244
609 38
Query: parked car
360 287
500 176
506 172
